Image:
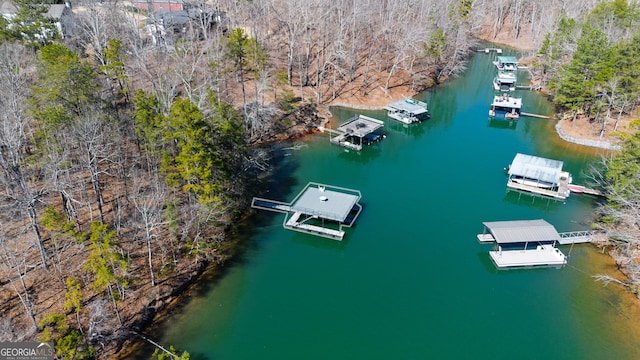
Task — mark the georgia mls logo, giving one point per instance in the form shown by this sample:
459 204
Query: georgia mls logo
26 350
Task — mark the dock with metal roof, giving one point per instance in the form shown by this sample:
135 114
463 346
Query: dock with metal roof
539 176
350 134
408 111
319 209
508 63
523 243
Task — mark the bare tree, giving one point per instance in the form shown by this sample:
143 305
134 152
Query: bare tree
14 137
149 201
93 135
15 264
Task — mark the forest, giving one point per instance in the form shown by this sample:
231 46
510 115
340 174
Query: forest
131 135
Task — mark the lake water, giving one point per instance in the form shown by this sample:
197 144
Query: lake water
410 280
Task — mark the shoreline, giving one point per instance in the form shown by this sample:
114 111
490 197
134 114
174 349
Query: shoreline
601 144
179 295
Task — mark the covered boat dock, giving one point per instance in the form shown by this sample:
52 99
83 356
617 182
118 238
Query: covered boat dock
408 111
319 209
350 134
523 243
508 63
539 176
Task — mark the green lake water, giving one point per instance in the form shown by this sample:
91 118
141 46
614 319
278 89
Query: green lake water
410 280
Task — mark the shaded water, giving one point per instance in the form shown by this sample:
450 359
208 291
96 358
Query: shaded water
410 280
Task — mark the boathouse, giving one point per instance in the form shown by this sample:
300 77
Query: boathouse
319 209
523 243
539 176
408 111
507 63
356 131
505 106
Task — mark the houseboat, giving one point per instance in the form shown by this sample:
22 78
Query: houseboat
505 106
407 111
539 176
505 81
506 63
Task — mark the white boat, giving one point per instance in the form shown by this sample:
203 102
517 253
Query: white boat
532 182
505 81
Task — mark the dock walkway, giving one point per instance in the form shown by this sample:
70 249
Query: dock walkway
535 115
575 237
294 223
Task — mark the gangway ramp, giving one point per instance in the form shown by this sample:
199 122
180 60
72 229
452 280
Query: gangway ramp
575 237
271 205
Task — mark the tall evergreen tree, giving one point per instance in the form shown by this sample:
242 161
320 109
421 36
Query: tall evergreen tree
589 66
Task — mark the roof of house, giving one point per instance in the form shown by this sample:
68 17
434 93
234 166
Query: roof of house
7 7
54 11
522 231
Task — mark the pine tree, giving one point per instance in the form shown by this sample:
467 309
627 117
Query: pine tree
589 67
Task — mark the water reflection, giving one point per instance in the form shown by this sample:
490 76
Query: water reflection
367 154
532 200
411 130
502 124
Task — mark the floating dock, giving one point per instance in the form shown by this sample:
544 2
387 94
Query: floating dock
319 209
523 243
542 255
539 176
488 50
354 132
408 111
505 105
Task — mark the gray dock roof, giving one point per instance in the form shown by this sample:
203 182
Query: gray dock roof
521 231
360 125
534 167
408 105
323 202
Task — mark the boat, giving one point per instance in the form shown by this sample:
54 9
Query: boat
505 105
407 111
505 81
532 182
578 189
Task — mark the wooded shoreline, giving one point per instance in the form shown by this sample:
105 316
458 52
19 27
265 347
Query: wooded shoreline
127 152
